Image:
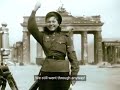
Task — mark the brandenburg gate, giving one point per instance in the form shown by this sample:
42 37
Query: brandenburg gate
81 25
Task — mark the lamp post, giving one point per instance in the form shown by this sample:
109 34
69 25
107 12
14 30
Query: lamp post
1 58
4 42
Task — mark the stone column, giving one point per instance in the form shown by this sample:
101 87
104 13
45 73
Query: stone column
97 47
115 54
26 46
118 51
111 54
84 47
19 48
15 53
39 51
105 53
119 54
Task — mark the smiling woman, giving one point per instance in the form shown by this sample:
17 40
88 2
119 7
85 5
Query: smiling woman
56 45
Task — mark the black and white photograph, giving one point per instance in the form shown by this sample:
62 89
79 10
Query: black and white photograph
59 45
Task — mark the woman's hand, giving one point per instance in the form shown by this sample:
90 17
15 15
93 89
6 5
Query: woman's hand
37 6
73 82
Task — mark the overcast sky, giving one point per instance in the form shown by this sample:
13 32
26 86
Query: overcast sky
12 12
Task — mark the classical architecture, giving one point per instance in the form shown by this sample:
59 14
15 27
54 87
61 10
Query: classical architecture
17 52
111 51
81 25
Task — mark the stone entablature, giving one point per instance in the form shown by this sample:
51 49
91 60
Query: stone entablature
69 20
111 43
79 23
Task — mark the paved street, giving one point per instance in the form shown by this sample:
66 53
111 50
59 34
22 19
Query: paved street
97 78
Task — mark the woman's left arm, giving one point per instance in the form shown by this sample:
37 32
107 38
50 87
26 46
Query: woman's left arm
72 56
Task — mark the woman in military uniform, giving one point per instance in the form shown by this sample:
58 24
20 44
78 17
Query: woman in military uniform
56 46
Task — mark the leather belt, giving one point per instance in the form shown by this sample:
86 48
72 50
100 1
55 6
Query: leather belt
56 57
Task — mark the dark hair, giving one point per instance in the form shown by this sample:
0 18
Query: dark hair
56 15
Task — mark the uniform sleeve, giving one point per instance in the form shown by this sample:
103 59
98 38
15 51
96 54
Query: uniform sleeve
33 28
72 57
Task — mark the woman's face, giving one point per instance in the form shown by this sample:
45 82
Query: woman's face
52 23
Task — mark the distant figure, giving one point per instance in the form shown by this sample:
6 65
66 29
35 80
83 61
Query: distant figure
104 65
56 46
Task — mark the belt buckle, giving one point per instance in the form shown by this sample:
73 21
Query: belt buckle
53 57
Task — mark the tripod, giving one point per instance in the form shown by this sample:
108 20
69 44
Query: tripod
6 76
